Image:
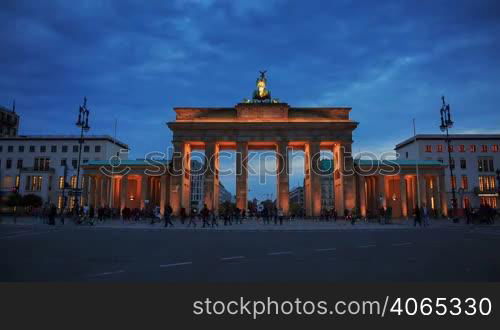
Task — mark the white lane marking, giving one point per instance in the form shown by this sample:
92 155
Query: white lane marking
402 244
326 249
176 264
279 253
28 234
109 273
366 246
232 258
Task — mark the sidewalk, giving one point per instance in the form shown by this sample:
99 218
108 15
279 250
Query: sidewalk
248 225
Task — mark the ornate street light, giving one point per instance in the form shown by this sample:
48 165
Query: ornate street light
83 123
447 123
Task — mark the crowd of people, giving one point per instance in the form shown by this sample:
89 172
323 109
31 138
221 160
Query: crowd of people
229 216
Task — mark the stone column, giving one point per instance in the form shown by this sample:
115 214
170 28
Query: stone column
177 177
97 184
307 181
163 193
104 191
211 183
442 196
381 193
348 177
404 202
362 195
338 179
283 198
85 192
91 182
242 175
123 191
423 190
144 190
315 175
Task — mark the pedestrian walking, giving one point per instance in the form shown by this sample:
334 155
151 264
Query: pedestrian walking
167 216
280 216
204 215
52 215
417 217
183 215
192 218
214 218
425 215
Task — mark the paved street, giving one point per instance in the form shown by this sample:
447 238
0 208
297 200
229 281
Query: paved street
36 252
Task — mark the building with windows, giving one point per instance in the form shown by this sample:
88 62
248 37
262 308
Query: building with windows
9 122
474 158
41 164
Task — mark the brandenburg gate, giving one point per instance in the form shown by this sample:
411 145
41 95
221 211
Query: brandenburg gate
263 123
360 186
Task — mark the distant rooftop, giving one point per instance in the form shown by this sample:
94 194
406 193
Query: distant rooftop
7 109
66 137
400 162
452 137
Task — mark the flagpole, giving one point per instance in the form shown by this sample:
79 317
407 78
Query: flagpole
416 163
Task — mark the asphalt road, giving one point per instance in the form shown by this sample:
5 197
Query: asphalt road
89 254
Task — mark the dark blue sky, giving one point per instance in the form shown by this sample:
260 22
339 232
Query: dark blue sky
135 60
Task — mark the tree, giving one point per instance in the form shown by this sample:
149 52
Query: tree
14 199
32 200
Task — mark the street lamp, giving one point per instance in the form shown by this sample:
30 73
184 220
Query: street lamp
447 123
83 123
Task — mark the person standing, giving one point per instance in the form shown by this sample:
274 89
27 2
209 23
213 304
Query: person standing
183 215
192 217
417 217
280 215
52 214
204 215
167 216
425 215
214 218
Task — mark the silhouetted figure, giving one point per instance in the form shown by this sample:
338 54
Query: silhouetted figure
167 216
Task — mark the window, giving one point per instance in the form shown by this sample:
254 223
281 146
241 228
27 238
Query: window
10 149
454 182
439 148
18 182
73 182
19 163
86 148
98 148
485 164
450 148
452 163
43 148
85 160
472 148
428 148
41 164
34 183
440 160
463 164
32 148
484 148
8 163
53 149
75 148
461 148
407 155
20 149
1 147
494 148
487 183
466 203
74 163
61 182
63 162
64 148
465 182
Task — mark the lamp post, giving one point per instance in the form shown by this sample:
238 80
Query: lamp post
498 184
83 123
447 123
